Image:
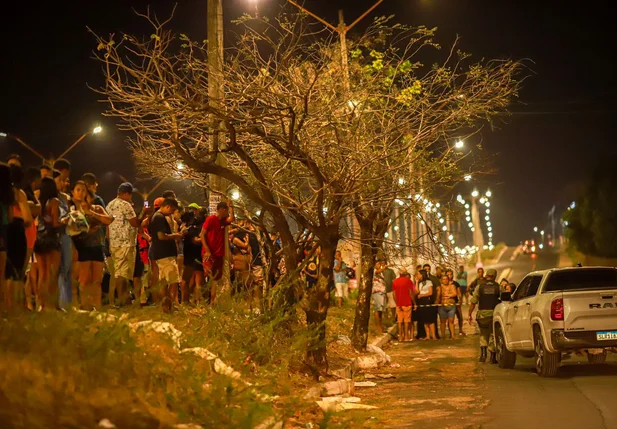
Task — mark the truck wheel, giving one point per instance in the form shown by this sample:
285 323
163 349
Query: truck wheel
547 363
597 359
505 358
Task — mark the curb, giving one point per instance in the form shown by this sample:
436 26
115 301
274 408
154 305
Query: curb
385 338
352 367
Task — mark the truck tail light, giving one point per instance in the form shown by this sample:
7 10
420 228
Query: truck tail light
557 309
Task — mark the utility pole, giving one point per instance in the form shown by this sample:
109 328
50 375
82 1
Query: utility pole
215 90
342 30
217 184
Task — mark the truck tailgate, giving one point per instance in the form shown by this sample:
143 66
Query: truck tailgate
590 310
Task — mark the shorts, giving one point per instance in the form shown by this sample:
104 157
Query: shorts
403 314
342 290
447 312
213 267
193 262
463 290
258 273
168 270
16 251
241 262
379 301
124 261
391 301
91 254
140 267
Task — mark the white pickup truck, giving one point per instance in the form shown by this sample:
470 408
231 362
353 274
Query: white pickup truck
558 311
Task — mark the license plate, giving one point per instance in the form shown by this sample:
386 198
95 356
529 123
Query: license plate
606 335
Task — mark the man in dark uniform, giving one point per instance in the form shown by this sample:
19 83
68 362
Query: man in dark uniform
486 296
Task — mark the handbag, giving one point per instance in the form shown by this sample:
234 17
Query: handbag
77 223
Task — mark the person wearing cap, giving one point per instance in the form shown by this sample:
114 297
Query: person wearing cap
123 240
486 296
196 208
403 292
213 243
164 252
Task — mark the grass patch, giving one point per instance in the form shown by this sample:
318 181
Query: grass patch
70 370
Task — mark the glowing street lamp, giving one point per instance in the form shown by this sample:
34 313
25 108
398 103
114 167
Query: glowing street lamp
535 229
235 195
488 193
459 144
467 177
96 130
475 193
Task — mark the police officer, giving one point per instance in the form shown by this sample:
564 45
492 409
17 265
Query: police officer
486 296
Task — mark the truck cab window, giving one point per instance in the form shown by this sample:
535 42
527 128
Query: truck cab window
534 284
521 290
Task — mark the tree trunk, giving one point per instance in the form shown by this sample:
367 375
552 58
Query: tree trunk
373 226
359 335
290 289
318 302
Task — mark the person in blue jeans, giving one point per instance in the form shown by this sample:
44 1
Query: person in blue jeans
62 170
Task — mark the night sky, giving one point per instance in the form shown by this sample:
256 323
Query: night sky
561 128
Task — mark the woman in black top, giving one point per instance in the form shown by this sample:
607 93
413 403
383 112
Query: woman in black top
193 274
16 236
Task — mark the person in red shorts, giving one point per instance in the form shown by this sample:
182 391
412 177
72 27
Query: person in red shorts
213 244
403 289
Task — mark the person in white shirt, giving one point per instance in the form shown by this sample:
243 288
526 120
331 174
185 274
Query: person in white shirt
123 239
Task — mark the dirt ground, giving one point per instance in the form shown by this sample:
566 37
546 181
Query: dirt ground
438 384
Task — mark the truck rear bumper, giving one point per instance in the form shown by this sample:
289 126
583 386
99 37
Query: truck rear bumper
578 340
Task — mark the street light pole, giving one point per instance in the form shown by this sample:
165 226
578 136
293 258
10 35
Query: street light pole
27 146
83 136
96 130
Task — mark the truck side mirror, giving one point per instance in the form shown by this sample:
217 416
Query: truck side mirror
505 297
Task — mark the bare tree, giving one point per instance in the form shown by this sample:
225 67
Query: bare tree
413 113
298 142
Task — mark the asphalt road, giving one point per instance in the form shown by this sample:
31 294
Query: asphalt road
582 396
517 268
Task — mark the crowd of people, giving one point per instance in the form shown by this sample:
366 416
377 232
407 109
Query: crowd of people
421 299
58 240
